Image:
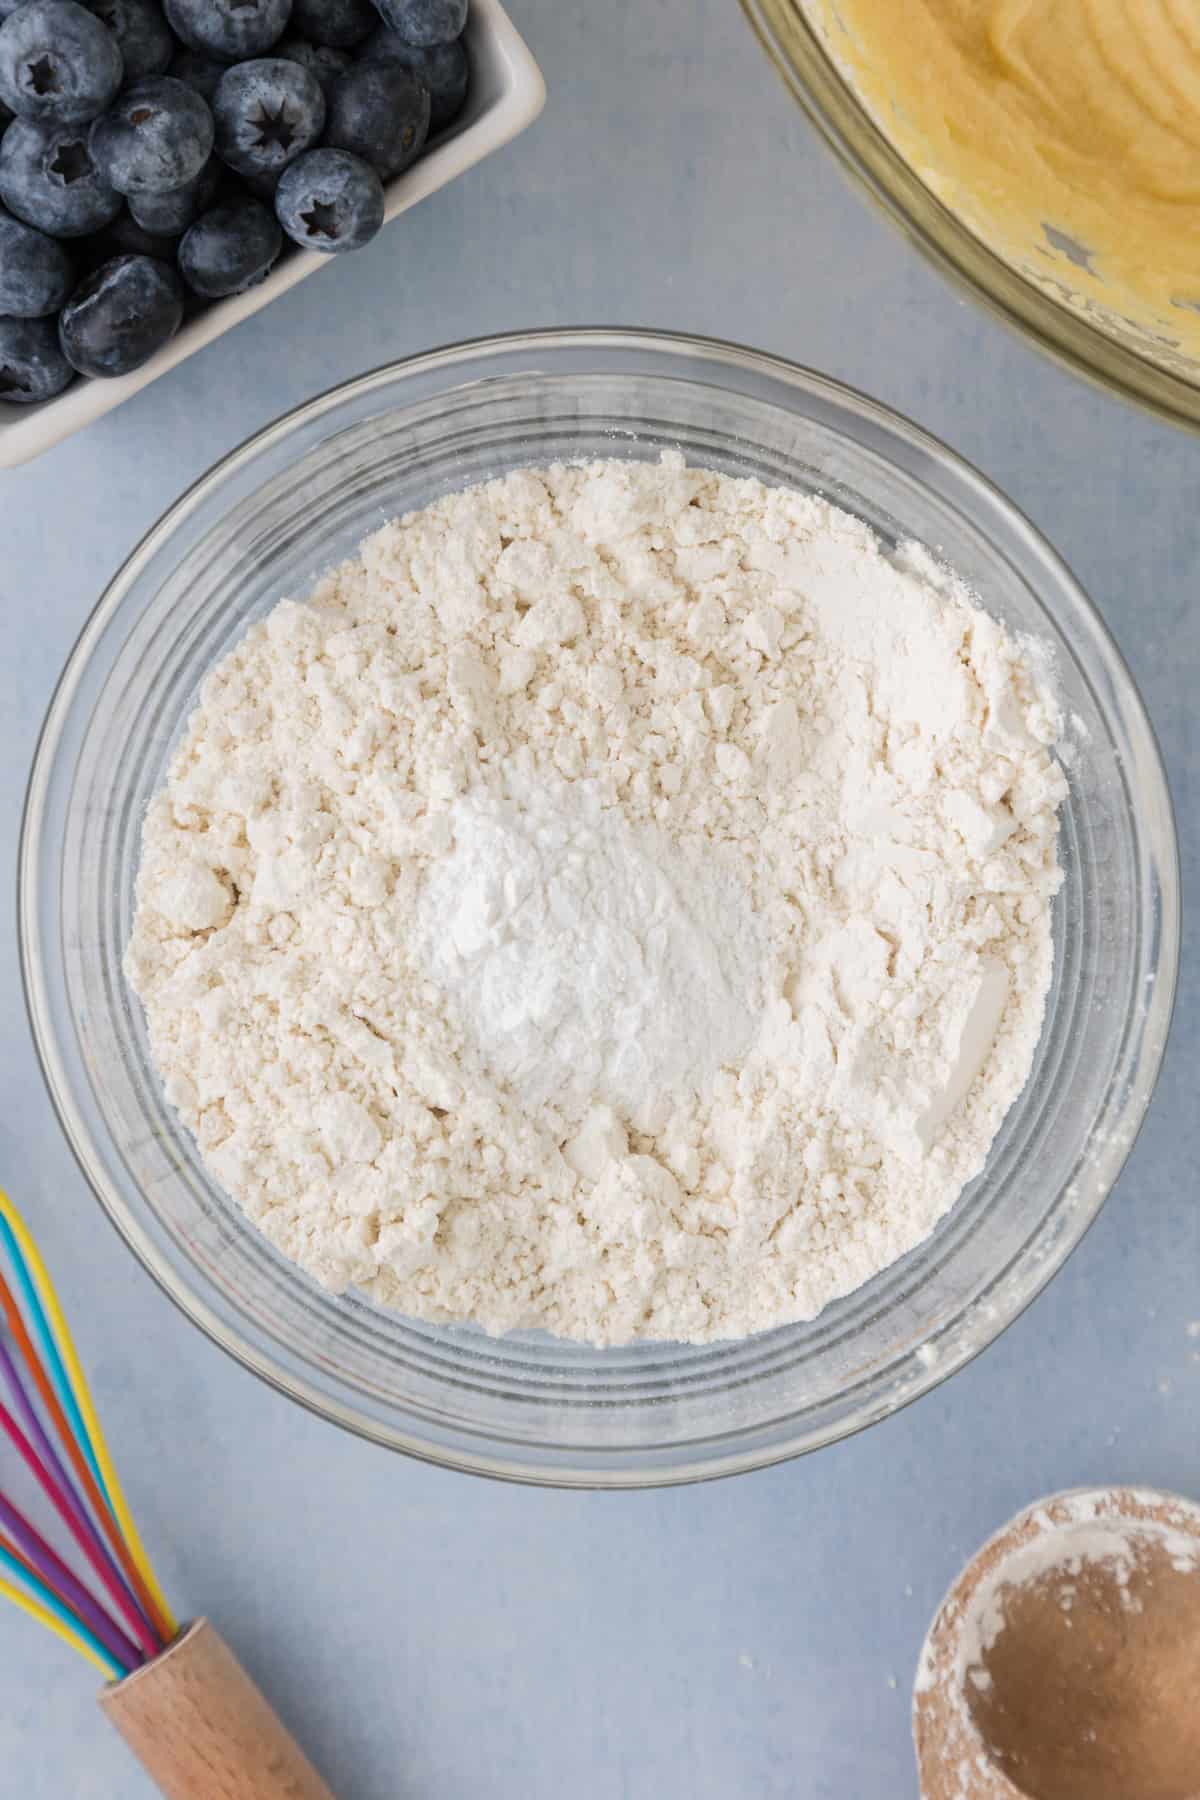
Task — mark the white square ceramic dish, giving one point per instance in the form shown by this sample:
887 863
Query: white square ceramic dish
507 94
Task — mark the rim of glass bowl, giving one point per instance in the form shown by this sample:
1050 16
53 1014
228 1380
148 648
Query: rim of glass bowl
867 156
945 476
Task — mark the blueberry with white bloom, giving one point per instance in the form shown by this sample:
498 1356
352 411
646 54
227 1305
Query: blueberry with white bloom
229 29
48 178
58 64
329 200
35 270
267 112
443 68
32 367
158 136
230 248
121 315
424 22
379 111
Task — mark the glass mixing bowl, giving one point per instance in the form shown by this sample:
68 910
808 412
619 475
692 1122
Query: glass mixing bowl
1045 288
264 523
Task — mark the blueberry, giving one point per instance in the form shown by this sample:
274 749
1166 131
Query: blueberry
424 22
35 271
228 29
32 367
267 112
330 201
321 60
125 237
230 248
143 35
170 213
58 65
442 67
378 111
199 72
48 178
157 136
7 7
341 23
124 311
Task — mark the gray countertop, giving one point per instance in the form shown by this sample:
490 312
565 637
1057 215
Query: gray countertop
431 1635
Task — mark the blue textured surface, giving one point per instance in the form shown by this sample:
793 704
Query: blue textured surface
432 1636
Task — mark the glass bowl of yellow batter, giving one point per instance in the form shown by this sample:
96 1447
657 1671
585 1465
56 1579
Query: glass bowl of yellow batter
1045 154
299 497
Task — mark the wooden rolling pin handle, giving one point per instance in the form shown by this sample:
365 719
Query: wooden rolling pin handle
202 1730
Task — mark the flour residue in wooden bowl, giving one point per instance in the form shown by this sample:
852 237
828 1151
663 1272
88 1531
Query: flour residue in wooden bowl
1065 1662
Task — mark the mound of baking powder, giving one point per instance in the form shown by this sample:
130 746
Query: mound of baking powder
619 901
595 961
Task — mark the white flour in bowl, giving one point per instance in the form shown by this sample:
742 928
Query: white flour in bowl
619 902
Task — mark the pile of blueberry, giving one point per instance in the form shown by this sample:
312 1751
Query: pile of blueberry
156 154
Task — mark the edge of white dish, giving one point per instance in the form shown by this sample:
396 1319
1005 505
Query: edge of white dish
507 94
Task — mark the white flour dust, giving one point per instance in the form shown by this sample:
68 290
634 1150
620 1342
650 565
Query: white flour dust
618 902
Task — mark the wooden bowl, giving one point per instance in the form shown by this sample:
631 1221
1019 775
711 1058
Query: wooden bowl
1064 1664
